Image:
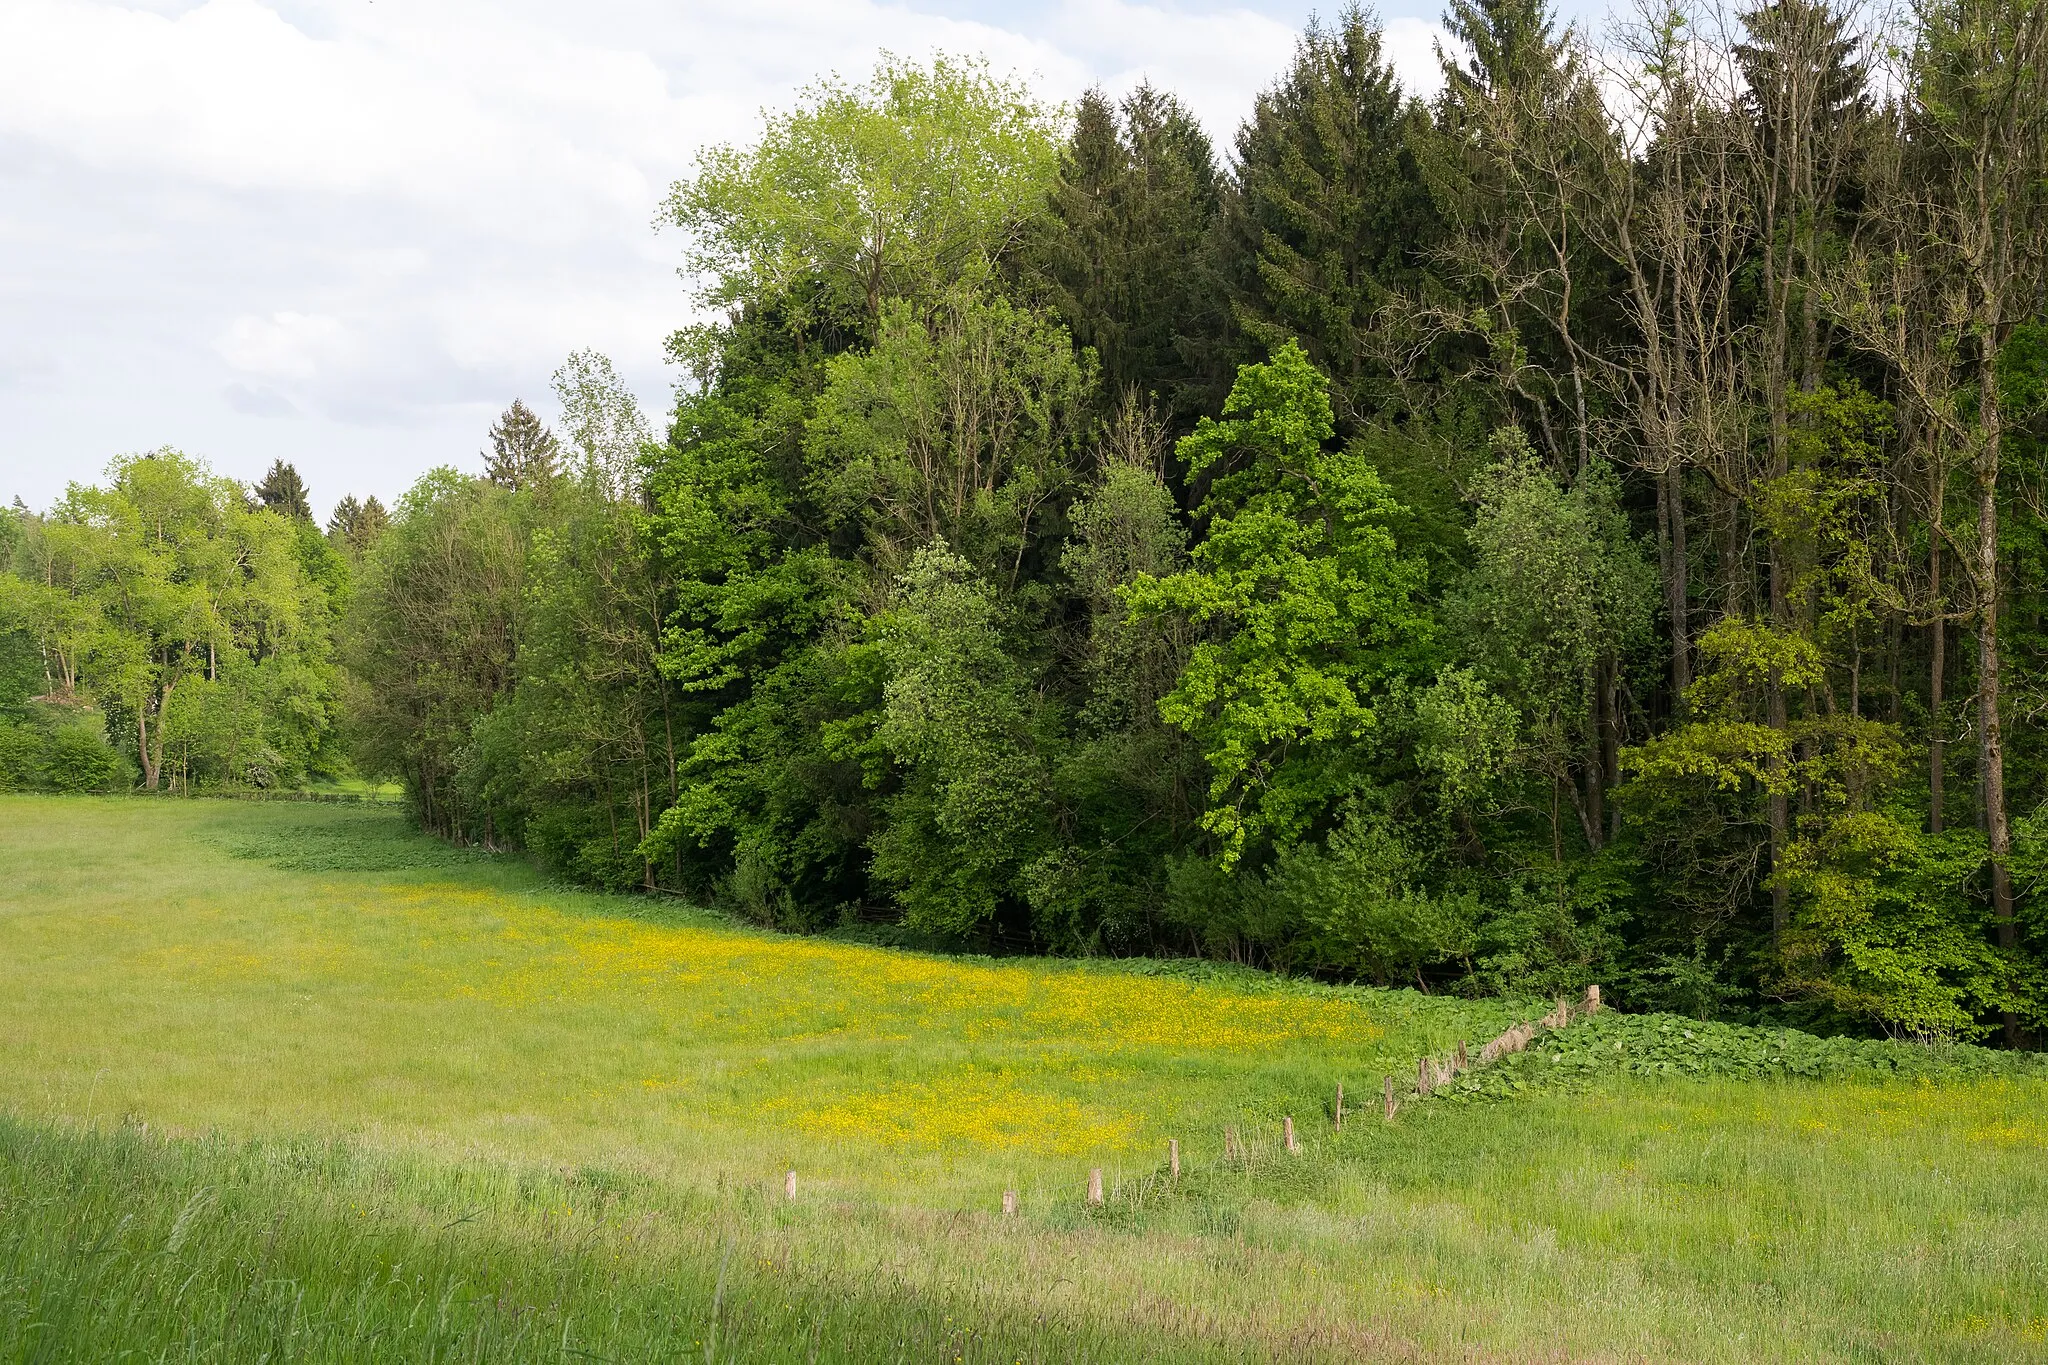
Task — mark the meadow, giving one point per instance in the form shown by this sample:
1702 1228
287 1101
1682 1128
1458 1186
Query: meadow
287 1082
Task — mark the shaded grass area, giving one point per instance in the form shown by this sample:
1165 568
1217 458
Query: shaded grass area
290 1083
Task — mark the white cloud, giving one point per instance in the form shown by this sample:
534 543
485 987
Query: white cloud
387 219
285 345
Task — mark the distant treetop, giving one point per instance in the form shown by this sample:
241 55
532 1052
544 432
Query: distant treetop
523 451
284 492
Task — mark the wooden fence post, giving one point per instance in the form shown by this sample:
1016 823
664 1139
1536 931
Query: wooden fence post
1421 1077
1173 1156
1095 1184
1009 1203
1592 999
789 1185
1340 1106
1287 1131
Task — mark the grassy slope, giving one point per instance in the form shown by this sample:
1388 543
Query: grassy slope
557 1123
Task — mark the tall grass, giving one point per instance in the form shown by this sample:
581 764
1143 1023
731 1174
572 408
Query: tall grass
1679 1221
114 1245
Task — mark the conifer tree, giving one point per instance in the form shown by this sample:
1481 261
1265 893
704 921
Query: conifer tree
1508 45
1330 214
284 492
1127 260
355 525
523 453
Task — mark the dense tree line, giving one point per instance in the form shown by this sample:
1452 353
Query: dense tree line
168 629
1586 526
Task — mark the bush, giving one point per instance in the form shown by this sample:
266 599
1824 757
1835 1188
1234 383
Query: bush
79 759
21 757
48 749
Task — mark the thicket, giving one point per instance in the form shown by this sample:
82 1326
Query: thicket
1584 527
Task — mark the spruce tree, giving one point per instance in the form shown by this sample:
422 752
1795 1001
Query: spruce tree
1329 217
1126 262
284 492
354 525
523 453
370 523
1509 45
344 517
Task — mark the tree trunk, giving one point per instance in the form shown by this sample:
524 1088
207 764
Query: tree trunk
1677 590
142 744
1592 816
1992 754
1937 678
1780 813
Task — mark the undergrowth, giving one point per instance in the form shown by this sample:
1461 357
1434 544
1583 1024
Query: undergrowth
1653 1045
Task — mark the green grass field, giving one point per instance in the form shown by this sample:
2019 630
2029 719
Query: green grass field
285 1082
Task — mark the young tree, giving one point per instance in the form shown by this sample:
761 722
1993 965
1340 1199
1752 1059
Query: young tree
1304 604
1558 595
605 426
956 719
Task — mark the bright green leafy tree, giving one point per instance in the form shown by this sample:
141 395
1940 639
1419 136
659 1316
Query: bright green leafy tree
1306 606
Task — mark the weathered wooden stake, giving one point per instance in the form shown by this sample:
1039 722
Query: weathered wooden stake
1340 1106
1422 1077
1173 1156
789 1185
1095 1184
1462 1063
1592 999
1390 1097
1287 1132
1009 1203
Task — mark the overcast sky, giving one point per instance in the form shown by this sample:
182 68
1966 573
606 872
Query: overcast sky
350 232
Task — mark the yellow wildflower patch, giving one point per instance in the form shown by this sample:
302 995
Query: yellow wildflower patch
788 987
988 1111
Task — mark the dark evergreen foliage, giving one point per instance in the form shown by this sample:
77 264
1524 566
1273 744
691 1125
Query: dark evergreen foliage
1329 219
1126 257
284 492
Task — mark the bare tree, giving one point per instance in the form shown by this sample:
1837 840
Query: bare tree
1960 265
